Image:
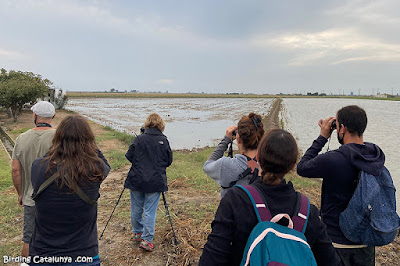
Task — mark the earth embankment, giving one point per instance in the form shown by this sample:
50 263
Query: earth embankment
271 121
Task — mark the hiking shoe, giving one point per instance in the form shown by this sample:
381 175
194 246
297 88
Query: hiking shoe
137 237
146 245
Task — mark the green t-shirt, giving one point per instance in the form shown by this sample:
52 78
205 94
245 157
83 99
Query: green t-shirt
29 146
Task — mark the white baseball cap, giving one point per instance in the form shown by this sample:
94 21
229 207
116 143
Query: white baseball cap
44 109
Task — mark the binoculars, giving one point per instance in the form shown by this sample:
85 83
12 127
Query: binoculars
333 126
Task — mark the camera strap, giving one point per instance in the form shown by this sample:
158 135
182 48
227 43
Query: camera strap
230 150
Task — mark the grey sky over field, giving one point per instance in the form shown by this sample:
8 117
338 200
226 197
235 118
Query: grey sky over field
206 46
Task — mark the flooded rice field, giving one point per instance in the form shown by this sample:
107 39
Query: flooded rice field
195 123
190 123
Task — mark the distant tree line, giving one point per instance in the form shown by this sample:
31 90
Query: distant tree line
18 88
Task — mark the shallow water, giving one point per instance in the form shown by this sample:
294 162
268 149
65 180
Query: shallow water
190 123
302 116
195 123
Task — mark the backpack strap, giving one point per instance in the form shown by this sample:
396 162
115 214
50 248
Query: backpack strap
252 163
45 184
254 176
300 219
252 168
78 190
261 209
82 194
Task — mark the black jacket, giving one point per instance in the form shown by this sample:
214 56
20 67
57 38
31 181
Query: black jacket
150 155
65 225
236 218
339 170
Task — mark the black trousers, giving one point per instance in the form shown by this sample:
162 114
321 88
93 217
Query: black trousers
357 256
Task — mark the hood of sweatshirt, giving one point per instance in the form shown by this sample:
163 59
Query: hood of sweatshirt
367 157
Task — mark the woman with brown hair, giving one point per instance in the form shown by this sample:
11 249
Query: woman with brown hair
66 184
150 155
241 169
236 216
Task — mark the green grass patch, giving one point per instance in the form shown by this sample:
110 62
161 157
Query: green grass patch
189 167
195 212
20 131
5 171
202 211
124 214
10 249
11 221
111 134
116 158
11 214
300 182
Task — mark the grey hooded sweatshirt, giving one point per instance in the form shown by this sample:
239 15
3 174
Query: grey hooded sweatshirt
225 170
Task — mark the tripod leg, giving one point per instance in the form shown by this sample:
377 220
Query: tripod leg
169 218
112 214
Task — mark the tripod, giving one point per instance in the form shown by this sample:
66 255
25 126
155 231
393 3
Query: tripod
167 213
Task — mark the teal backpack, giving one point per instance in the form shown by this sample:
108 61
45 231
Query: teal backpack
272 244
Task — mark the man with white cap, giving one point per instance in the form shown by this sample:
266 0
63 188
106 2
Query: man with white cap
29 146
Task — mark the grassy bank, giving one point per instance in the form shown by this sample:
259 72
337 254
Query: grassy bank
11 213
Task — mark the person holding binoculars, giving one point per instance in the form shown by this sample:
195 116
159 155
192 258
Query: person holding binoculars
242 169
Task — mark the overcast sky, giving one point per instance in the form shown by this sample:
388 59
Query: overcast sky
206 46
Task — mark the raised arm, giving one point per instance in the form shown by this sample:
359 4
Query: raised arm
312 164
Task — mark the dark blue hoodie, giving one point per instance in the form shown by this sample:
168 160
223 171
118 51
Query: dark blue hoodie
339 170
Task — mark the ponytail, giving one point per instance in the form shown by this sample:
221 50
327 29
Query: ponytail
277 155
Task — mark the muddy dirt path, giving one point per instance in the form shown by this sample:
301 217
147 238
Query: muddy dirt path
271 121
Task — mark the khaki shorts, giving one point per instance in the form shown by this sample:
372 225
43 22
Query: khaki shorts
29 223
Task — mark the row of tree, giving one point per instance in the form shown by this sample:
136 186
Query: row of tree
18 88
